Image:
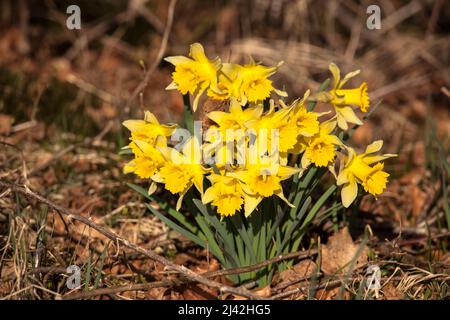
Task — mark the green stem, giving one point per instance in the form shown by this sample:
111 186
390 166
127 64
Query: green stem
188 116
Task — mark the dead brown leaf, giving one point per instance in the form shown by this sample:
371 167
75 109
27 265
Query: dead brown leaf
198 292
263 292
5 123
298 272
339 252
391 292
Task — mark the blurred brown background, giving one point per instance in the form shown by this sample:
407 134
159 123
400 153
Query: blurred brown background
405 62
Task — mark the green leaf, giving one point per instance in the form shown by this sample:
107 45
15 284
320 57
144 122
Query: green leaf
211 240
302 186
240 227
202 223
87 280
176 227
296 222
100 267
220 227
318 205
188 116
279 215
166 207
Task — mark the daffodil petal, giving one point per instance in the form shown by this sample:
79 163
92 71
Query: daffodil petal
177 60
134 125
172 86
377 158
342 178
282 197
198 182
250 203
150 117
349 192
218 116
374 146
179 201
197 97
209 195
157 178
341 121
129 167
152 188
328 126
305 162
285 172
348 76
349 115
336 74
197 52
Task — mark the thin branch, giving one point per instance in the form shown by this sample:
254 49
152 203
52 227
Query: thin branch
298 254
118 289
159 56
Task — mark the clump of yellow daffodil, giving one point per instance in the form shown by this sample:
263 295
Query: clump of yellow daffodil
252 151
247 152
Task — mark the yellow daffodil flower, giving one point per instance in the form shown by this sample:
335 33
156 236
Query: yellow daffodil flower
356 169
320 149
225 193
146 136
301 124
247 83
182 170
268 127
228 86
343 99
147 162
230 128
262 180
256 86
148 130
194 75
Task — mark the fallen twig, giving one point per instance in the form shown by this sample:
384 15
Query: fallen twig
159 56
298 254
